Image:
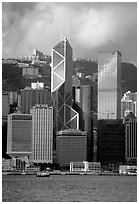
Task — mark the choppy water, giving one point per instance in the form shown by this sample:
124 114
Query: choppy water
69 188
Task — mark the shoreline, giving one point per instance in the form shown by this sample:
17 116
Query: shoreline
69 173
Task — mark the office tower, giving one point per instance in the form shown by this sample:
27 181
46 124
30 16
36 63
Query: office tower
19 135
30 97
42 133
71 146
130 139
110 141
85 103
109 85
61 86
129 104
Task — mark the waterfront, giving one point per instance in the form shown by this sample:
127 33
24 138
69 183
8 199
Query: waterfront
69 188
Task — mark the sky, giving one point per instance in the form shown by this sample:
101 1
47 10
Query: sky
90 28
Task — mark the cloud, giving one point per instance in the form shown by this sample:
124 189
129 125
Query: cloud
89 27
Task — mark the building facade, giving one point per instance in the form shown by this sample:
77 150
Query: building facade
109 85
129 104
30 97
42 134
85 166
30 72
71 146
110 141
19 134
5 105
61 86
130 139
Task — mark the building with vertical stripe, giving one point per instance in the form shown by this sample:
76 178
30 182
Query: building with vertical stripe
109 85
19 134
30 97
42 133
130 139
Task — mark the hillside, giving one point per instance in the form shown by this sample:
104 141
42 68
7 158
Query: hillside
12 75
128 73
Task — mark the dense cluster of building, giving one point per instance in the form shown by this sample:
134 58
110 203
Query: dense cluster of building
75 125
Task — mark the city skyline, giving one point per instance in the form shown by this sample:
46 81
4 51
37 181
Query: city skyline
85 34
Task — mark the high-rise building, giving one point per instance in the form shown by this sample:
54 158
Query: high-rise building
110 141
71 146
30 97
61 86
130 139
109 85
85 103
129 104
19 135
42 134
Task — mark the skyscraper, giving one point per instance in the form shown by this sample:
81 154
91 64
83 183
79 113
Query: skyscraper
42 134
130 139
109 85
61 86
19 135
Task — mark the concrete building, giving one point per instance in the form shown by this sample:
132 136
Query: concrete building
37 85
85 166
28 72
129 104
30 97
19 135
109 85
7 164
61 86
110 141
13 97
127 170
130 123
42 134
71 146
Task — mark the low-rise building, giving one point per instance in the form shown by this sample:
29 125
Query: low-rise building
85 166
126 169
30 72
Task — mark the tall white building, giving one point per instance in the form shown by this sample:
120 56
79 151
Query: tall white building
42 133
109 85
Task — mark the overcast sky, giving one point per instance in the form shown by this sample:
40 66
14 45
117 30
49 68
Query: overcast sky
92 27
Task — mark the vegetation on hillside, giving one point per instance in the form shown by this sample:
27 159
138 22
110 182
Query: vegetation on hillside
12 78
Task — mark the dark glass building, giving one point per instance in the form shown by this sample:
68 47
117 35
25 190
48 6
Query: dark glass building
71 146
130 123
110 141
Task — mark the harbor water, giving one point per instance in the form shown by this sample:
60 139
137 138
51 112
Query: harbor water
69 188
